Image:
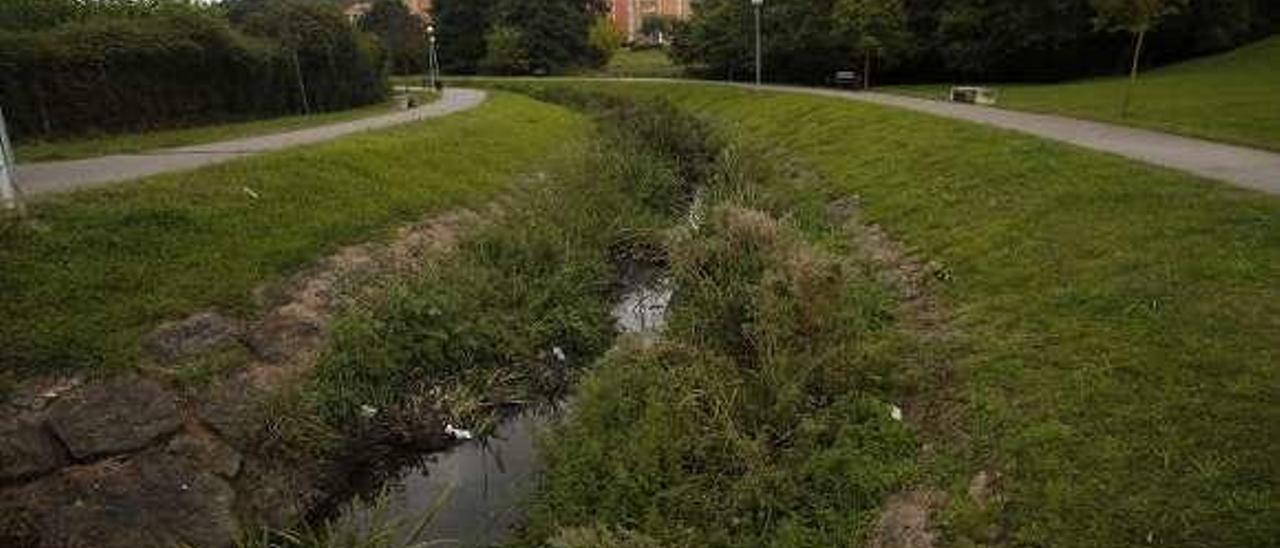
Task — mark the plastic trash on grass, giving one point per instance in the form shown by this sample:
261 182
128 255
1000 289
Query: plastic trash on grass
458 433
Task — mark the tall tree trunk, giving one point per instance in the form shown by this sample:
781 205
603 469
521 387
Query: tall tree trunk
866 70
1133 72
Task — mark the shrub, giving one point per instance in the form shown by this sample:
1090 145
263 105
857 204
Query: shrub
504 52
175 67
341 68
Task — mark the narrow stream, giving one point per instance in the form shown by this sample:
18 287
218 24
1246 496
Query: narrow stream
478 486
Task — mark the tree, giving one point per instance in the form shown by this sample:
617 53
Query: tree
1137 17
401 33
462 27
657 28
874 27
799 44
555 34
504 52
605 39
334 65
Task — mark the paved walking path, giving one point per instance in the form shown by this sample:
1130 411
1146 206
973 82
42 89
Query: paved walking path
1241 166
51 177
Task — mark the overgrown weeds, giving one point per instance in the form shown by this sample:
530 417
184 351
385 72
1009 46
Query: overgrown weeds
762 416
525 303
760 419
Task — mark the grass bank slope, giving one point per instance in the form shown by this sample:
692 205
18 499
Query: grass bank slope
1230 97
97 269
1120 322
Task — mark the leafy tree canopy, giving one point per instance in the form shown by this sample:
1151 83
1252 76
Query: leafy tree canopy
805 40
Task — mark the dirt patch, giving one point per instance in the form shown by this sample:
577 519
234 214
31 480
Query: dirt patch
934 407
905 521
134 461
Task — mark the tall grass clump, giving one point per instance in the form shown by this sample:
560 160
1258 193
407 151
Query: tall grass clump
760 419
525 301
763 415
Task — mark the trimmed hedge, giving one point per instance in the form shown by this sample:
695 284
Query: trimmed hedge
174 69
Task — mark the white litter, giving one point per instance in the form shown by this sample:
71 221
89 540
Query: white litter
559 353
251 193
458 433
895 412
368 411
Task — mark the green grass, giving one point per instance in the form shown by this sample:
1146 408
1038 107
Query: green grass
102 145
760 419
1230 97
1120 322
97 269
642 63
626 63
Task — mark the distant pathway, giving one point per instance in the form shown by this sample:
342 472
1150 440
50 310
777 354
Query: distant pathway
1241 166
51 177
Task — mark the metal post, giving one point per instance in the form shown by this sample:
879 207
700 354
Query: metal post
8 195
435 65
759 4
431 58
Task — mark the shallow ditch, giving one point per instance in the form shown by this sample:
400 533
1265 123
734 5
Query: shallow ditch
473 493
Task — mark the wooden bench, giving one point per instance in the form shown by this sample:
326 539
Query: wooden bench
847 78
973 95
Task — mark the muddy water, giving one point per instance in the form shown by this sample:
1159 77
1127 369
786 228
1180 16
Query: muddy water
477 487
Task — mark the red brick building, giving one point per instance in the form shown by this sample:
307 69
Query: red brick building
421 8
628 15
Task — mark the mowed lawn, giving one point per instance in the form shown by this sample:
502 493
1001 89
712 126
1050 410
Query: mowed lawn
105 144
95 270
1234 97
1121 323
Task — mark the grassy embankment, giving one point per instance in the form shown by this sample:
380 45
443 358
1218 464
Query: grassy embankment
1119 328
761 417
102 145
1229 97
97 269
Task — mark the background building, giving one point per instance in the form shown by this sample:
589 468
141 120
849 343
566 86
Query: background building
629 15
356 10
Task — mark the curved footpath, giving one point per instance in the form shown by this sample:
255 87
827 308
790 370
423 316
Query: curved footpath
43 178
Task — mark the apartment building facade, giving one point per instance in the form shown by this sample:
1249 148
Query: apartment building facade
629 15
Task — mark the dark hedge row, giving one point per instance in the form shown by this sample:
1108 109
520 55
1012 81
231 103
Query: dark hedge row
176 69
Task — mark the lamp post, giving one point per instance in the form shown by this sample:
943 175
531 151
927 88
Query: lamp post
431 57
759 4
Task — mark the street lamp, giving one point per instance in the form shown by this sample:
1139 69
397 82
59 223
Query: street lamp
431 57
759 4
